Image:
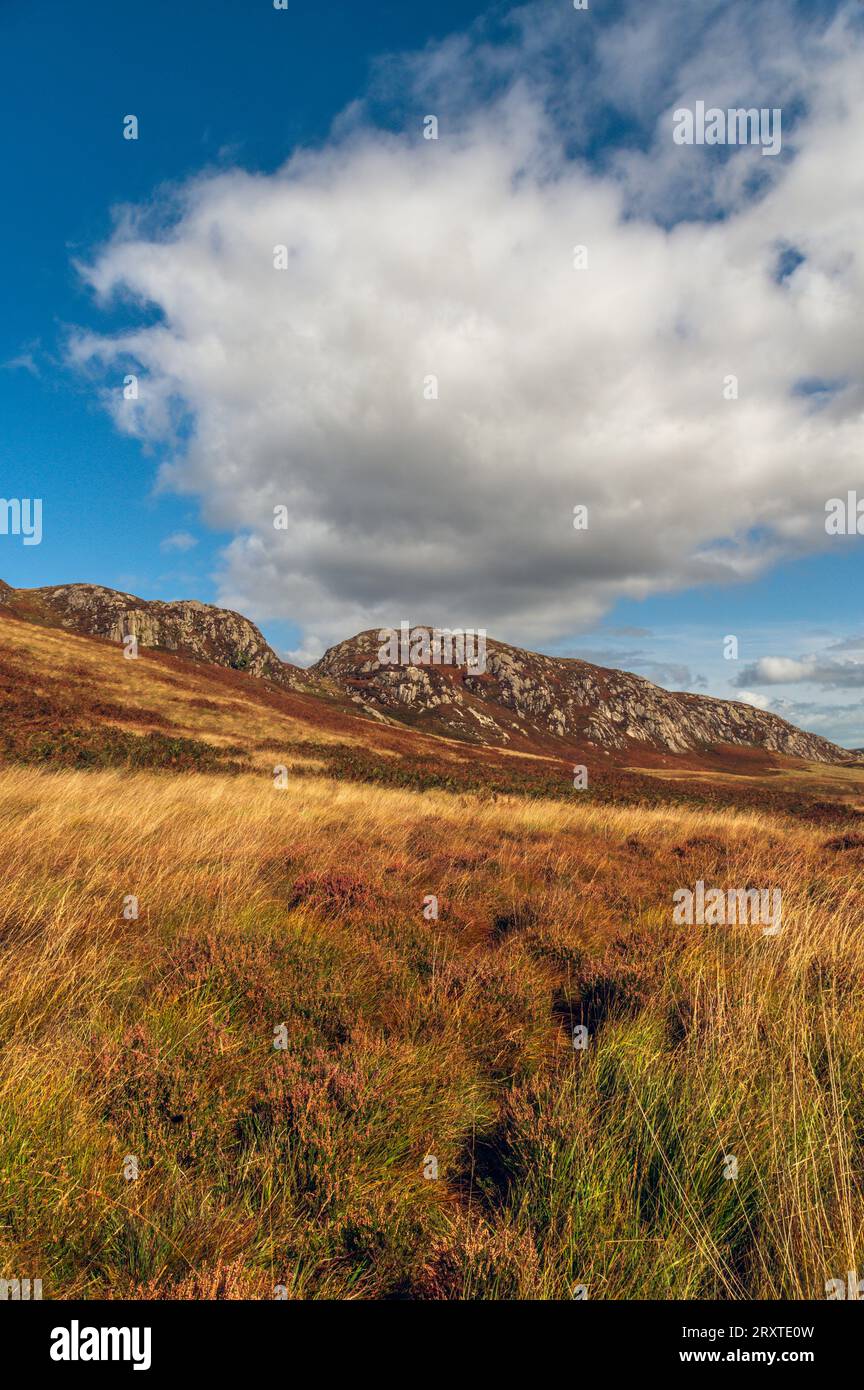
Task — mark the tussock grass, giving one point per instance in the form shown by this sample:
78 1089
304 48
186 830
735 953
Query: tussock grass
406 1038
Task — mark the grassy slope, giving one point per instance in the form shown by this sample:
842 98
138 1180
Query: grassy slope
405 1038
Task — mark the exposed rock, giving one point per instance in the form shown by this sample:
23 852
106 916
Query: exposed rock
190 628
524 693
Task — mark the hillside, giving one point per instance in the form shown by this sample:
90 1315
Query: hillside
525 696
522 701
193 629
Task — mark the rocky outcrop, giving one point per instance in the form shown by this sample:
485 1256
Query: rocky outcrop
192 629
522 693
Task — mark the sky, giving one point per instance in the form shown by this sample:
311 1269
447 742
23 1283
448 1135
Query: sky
424 353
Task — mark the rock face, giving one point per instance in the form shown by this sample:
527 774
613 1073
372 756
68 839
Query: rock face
522 694
193 629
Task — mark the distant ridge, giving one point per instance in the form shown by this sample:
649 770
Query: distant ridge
523 694
522 700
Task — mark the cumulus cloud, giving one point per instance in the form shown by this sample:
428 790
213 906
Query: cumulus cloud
777 670
821 670
407 259
752 697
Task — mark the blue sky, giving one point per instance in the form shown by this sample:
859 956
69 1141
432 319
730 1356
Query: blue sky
228 90
213 81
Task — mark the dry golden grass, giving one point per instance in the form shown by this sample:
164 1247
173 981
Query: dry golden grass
184 697
406 1038
842 783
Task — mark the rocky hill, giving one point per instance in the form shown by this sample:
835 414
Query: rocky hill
519 700
192 629
522 695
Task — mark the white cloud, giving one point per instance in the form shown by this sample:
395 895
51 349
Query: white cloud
778 670
750 697
25 361
823 671
603 386
179 540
